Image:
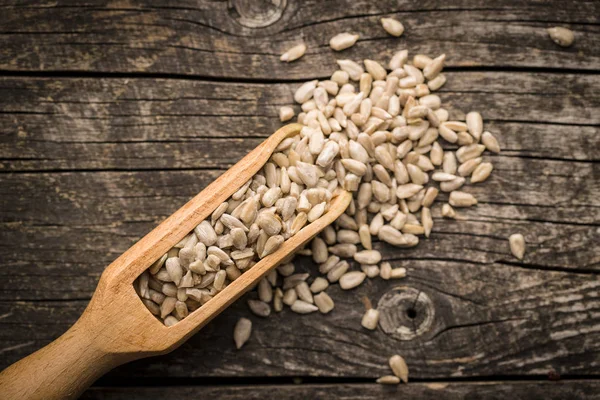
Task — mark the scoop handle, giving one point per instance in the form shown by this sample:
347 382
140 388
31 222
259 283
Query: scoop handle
61 370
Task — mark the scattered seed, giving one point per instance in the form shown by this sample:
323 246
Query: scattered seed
388 380
294 53
286 113
241 332
517 245
324 302
561 36
482 172
342 41
490 142
462 199
352 279
302 307
393 27
448 211
370 319
399 367
259 308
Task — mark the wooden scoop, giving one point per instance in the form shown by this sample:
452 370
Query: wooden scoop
116 327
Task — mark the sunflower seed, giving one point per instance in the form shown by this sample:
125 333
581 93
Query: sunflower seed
343 250
265 291
343 41
462 199
432 69
393 27
517 245
352 279
397 273
242 332
399 367
394 237
205 233
259 308
452 185
294 53
329 264
448 211
167 306
388 380
469 166
337 271
399 58
375 69
319 284
467 153
302 307
353 69
385 270
437 82
324 302
448 134
370 319
490 142
475 124
367 257
482 172
408 190
561 36
426 221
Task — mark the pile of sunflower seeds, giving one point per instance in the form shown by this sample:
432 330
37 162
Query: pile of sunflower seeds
374 131
294 188
391 132
377 131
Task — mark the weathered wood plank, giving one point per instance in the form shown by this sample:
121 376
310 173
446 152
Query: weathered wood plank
470 321
227 39
52 124
576 389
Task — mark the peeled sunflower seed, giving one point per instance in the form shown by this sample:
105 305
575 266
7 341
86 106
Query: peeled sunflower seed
517 245
462 199
367 257
399 367
302 307
241 332
393 27
352 279
286 113
481 172
259 308
294 53
370 319
388 380
561 36
342 41
323 302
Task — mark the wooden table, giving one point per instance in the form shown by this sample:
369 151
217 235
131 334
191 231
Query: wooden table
113 114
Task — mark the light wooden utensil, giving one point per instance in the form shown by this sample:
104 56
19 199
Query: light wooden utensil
116 327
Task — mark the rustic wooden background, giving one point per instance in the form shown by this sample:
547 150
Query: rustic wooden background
114 113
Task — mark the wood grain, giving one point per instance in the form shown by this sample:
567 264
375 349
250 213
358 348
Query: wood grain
92 124
577 389
487 320
114 114
227 39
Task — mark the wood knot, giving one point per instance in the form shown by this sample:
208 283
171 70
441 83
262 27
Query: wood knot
405 313
256 13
